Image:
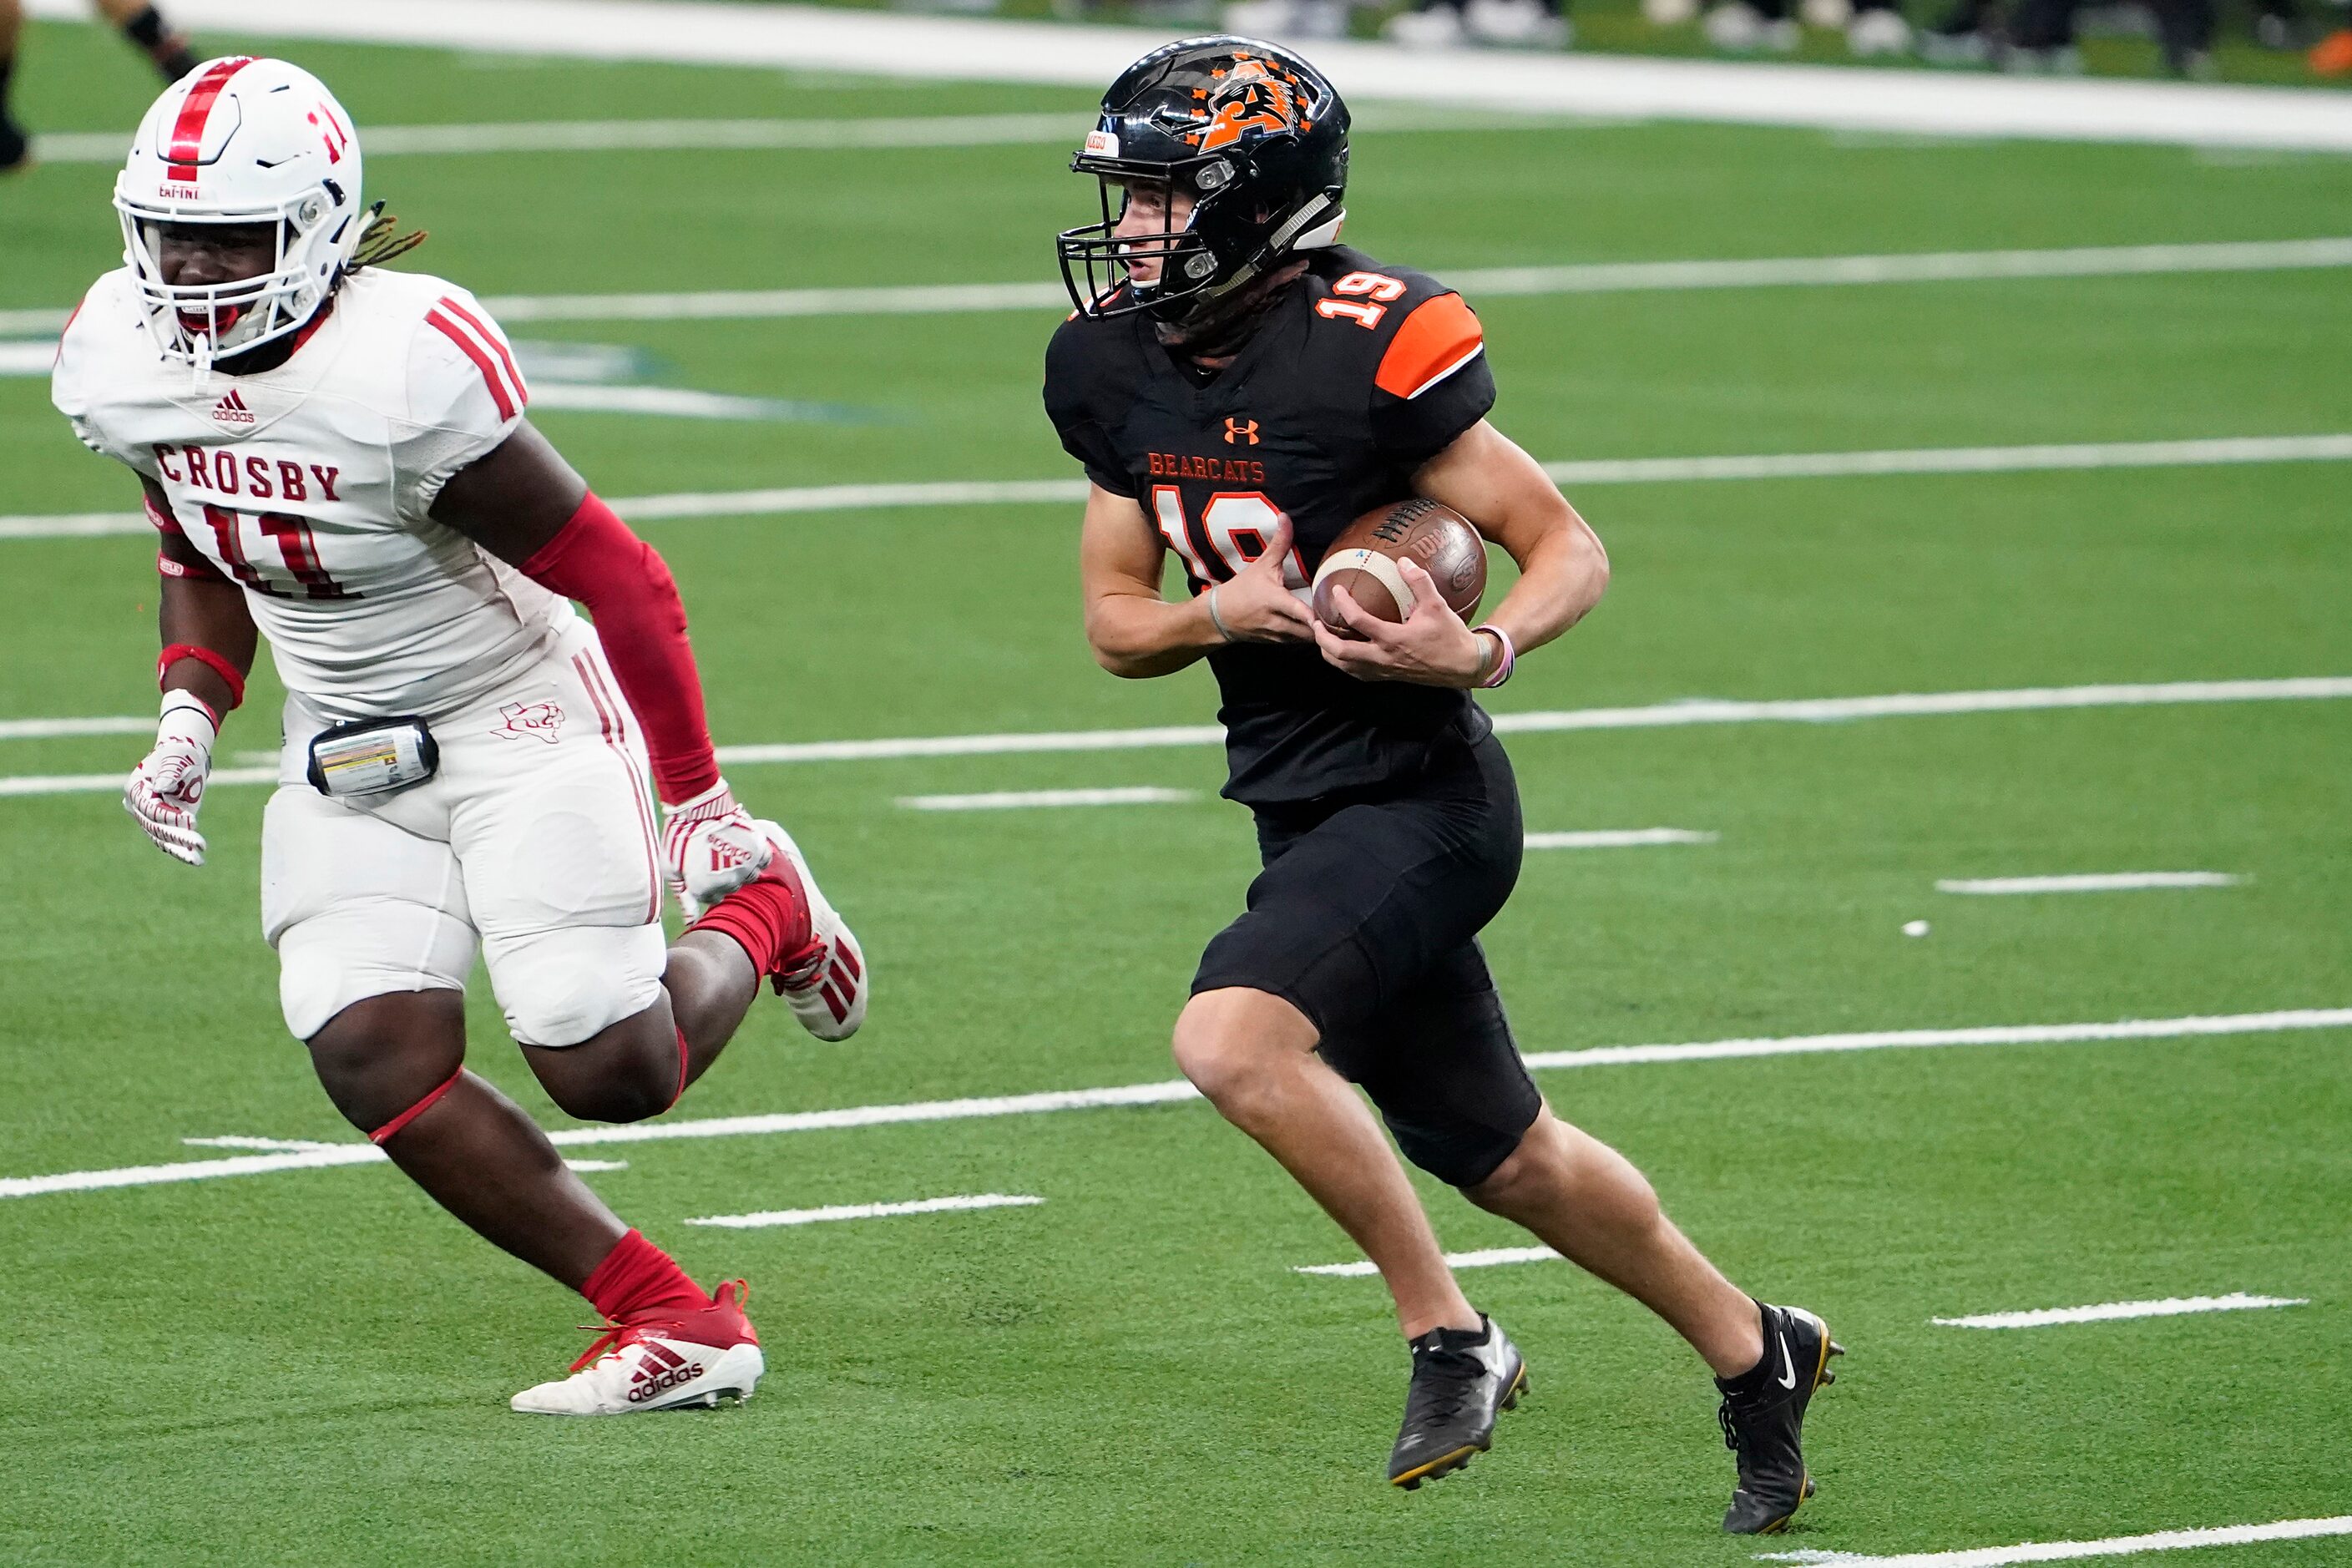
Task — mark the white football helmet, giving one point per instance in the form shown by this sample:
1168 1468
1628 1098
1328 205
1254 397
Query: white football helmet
241 140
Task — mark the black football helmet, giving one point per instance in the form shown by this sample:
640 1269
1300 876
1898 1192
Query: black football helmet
1255 134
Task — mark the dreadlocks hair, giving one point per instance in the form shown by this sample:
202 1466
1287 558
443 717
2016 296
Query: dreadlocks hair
379 244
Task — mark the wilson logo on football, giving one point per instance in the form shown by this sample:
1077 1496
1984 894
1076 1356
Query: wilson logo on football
231 410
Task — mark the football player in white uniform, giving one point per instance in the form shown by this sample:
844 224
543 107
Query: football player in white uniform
336 456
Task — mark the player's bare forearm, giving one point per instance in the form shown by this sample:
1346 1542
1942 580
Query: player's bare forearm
211 615
1136 638
1561 577
1136 634
1563 569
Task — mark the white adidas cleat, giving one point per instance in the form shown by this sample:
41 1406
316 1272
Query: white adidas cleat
667 1362
828 985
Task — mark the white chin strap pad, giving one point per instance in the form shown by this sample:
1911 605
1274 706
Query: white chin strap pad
1323 236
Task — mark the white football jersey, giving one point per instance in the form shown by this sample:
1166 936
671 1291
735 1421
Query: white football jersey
310 485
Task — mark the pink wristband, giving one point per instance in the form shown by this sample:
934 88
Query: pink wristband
1506 661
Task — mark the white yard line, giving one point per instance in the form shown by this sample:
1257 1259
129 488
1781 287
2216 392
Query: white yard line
1599 277
1915 1040
2076 1551
1489 1258
2225 451
1178 1090
101 784
973 49
1016 799
2108 1311
1479 283
52 729
769 1217
808 135
2091 882
668 402
1618 839
1654 716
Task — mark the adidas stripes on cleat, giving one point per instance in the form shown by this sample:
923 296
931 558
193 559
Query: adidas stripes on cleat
659 1362
826 985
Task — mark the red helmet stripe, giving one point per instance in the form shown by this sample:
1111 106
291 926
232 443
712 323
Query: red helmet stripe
188 130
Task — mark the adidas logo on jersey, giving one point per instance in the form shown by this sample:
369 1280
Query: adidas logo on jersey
231 410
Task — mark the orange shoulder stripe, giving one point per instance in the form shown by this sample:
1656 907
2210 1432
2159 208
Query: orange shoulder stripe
1433 342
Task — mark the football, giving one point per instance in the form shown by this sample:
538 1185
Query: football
1363 560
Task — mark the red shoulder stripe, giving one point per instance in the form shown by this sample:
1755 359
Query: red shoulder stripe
1439 338
482 361
498 346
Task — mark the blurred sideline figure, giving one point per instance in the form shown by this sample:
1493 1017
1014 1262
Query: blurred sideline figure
2043 37
2332 56
1288 18
143 25
1506 24
1746 27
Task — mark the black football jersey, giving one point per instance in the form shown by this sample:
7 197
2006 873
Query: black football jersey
1357 376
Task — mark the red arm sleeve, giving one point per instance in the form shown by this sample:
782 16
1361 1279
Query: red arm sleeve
595 559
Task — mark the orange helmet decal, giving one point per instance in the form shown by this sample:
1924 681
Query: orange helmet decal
1251 98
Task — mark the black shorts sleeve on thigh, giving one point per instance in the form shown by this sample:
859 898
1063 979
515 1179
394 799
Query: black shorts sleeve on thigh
1445 1072
1366 921
1351 911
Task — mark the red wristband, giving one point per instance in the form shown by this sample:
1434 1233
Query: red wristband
207 656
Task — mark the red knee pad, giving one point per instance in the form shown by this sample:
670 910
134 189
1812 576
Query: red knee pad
384 1132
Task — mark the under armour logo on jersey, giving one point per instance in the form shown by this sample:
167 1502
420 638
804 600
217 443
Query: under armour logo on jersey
231 410
1238 430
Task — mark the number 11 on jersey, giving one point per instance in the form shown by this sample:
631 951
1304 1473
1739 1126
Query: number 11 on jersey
1235 526
296 545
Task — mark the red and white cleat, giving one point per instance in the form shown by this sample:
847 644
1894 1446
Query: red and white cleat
663 1362
827 984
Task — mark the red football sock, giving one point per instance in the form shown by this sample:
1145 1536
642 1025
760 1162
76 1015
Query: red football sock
769 919
638 1278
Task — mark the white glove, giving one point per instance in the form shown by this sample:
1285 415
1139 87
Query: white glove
711 847
163 791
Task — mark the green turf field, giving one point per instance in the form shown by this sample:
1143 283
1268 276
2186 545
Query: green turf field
310 1366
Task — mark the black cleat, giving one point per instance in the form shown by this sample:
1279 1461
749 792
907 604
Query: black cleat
1460 1381
1763 1418
15 149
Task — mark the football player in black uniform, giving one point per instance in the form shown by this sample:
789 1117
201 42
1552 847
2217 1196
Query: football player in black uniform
1240 387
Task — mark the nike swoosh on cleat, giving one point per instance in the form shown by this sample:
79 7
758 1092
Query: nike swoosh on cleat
1788 1369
